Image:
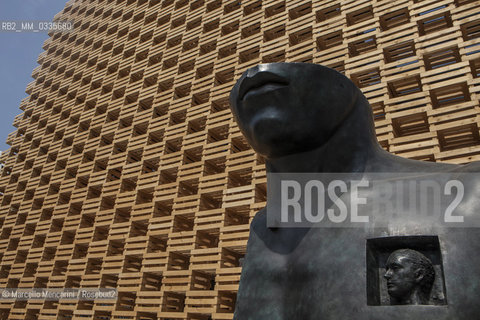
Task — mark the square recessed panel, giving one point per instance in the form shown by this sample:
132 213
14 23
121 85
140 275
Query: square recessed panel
378 252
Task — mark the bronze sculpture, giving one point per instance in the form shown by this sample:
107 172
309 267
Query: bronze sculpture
410 277
306 118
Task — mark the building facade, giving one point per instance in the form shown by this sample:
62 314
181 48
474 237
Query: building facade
127 171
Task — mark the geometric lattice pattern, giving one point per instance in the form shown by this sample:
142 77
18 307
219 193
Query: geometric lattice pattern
127 171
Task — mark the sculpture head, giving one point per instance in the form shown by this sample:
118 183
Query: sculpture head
410 277
287 108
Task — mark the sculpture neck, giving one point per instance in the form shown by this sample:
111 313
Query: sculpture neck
350 148
415 298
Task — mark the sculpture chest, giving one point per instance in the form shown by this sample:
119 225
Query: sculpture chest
321 274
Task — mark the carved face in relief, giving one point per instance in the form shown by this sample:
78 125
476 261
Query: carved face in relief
287 108
409 276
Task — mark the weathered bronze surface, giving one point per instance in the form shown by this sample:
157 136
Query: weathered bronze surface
410 277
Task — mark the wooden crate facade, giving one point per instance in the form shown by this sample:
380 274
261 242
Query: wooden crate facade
127 170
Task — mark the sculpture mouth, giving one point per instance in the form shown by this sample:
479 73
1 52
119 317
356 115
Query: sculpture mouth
261 82
263 88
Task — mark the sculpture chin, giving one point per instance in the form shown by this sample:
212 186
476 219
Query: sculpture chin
272 143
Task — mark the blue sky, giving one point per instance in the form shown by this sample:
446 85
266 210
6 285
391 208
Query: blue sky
18 56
